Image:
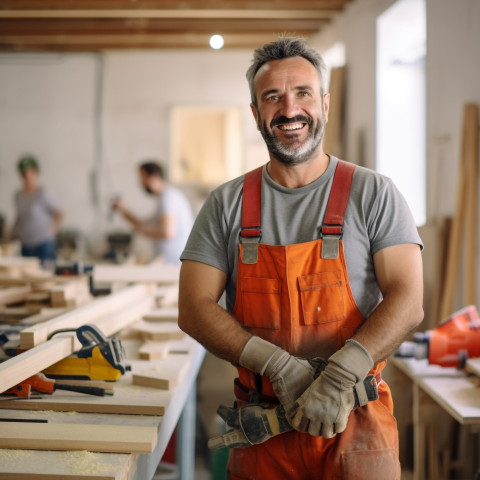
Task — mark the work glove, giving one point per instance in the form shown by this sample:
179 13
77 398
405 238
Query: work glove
324 407
249 425
290 376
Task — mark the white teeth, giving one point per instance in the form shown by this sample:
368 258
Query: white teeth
293 126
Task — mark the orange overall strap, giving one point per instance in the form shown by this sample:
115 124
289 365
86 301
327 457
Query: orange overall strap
337 202
332 227
251 232
251 203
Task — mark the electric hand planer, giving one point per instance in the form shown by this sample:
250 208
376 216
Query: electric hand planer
456 339
100 358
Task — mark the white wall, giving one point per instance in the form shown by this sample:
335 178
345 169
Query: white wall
49 106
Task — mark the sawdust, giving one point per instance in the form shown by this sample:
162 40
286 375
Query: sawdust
7 455
83 462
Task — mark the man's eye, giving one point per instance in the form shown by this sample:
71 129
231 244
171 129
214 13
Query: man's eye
272 98
303 94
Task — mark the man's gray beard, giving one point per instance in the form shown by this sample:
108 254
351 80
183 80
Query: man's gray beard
295 156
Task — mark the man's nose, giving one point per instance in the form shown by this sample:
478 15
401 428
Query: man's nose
289 106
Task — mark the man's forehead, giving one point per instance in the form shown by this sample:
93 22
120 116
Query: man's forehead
292 66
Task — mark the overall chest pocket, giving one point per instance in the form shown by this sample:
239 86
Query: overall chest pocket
260 299
321 297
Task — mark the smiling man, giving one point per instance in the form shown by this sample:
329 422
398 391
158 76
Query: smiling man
321 264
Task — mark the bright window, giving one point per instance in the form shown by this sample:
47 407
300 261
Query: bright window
400 111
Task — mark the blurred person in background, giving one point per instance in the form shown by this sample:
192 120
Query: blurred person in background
38 216
173 217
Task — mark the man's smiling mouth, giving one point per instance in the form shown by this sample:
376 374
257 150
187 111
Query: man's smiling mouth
290 126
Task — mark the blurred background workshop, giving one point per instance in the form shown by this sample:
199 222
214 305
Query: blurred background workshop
118 118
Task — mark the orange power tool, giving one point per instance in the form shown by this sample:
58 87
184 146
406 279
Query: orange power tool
450 344
40 383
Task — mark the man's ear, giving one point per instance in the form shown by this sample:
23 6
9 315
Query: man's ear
255 114
326 105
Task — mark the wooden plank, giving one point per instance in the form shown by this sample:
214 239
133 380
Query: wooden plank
87 313
44 315
159 331
41 280
128 399
458 223
164 314
164 274
153 350
56 465
165 375
471 224
332 142
64 436
458 396
11 295
167 295
23 366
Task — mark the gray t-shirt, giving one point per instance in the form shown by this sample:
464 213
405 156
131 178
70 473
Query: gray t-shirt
377 217
173 202
35 211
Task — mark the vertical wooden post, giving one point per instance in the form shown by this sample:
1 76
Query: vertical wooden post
465 219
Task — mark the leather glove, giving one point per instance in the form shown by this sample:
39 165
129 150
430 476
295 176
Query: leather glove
324 407
290 376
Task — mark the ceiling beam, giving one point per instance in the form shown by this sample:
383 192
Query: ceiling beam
172 14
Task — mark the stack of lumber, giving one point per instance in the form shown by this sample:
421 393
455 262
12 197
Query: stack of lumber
30 294
142 393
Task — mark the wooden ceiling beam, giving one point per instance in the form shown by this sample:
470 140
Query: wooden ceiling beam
147 41
188 4
273 14
98 26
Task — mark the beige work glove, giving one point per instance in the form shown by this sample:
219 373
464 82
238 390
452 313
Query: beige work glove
324 407
290 376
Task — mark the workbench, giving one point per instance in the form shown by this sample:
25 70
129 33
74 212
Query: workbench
180 412
436 387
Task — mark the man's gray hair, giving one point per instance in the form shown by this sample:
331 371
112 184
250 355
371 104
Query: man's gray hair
285 47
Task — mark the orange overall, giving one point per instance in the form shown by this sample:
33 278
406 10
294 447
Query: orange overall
299 298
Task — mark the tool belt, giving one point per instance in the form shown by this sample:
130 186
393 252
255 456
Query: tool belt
247 395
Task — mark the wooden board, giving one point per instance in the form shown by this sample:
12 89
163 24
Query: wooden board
167 295
159 331
87 313
64 436
153 350
128 399
72 465
458 396
162 274
11 295
164 314
166 374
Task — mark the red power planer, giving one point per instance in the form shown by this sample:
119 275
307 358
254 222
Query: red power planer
450 344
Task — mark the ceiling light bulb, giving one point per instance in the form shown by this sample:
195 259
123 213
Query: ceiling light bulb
216 41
